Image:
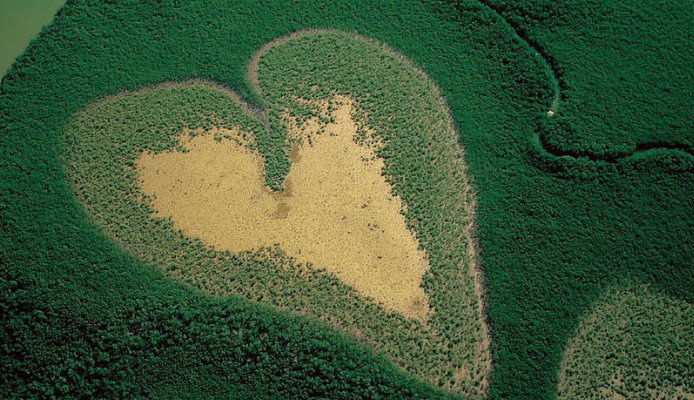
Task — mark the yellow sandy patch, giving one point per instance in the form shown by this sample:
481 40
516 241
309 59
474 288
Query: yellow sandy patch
337 211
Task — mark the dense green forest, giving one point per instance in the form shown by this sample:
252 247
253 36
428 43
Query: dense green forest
625 72
635 343
566 209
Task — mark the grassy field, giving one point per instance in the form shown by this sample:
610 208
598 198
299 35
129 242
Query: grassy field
21 21
569 206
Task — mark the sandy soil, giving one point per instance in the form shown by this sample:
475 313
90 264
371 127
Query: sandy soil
337 211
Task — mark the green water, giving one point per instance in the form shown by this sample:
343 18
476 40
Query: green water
21 21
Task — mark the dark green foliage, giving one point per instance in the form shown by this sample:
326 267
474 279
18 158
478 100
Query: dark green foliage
555 232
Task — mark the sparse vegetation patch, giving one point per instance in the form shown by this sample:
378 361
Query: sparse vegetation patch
336 211
635 344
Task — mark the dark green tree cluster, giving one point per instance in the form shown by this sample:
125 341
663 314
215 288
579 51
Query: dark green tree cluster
625 73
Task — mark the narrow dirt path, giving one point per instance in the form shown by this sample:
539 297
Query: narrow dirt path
556 83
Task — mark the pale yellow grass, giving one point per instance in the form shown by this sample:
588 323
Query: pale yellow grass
337 211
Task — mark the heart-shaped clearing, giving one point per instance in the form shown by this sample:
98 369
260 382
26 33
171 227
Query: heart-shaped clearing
336 211
406 171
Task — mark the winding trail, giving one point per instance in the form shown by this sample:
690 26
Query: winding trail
641 150
549 63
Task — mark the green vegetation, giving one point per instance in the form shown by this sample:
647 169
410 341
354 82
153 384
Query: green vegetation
625 72
82 317
20 21
105 140
636 344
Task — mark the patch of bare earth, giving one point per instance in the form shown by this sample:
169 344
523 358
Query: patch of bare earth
337 211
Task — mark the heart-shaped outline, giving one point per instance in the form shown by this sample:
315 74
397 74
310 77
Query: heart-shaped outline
467 197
